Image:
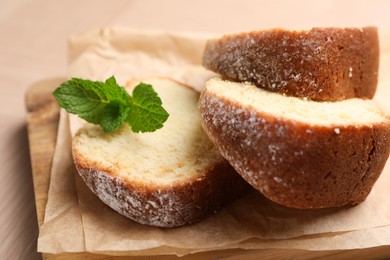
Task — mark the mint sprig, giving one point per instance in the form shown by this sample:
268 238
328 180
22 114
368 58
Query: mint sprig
109 105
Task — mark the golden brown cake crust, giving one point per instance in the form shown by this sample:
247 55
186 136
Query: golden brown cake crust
293 163
173 206
319 64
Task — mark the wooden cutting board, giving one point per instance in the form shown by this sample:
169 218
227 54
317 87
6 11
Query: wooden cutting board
42 120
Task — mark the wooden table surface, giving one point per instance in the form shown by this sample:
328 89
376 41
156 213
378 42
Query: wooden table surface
33 46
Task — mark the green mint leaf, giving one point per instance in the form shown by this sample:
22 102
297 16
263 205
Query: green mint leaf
109 105
82 98
146 113
113 117
102 103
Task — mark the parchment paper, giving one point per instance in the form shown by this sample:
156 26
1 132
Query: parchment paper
77 221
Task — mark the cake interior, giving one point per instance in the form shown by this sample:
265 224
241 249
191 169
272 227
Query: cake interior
178 152
345 112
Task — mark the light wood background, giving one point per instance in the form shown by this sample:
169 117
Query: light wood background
33 37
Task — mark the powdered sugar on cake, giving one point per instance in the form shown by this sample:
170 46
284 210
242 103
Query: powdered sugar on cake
237 125
162 208
319 64
302 162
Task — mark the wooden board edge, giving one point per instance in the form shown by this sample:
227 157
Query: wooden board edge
42 123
